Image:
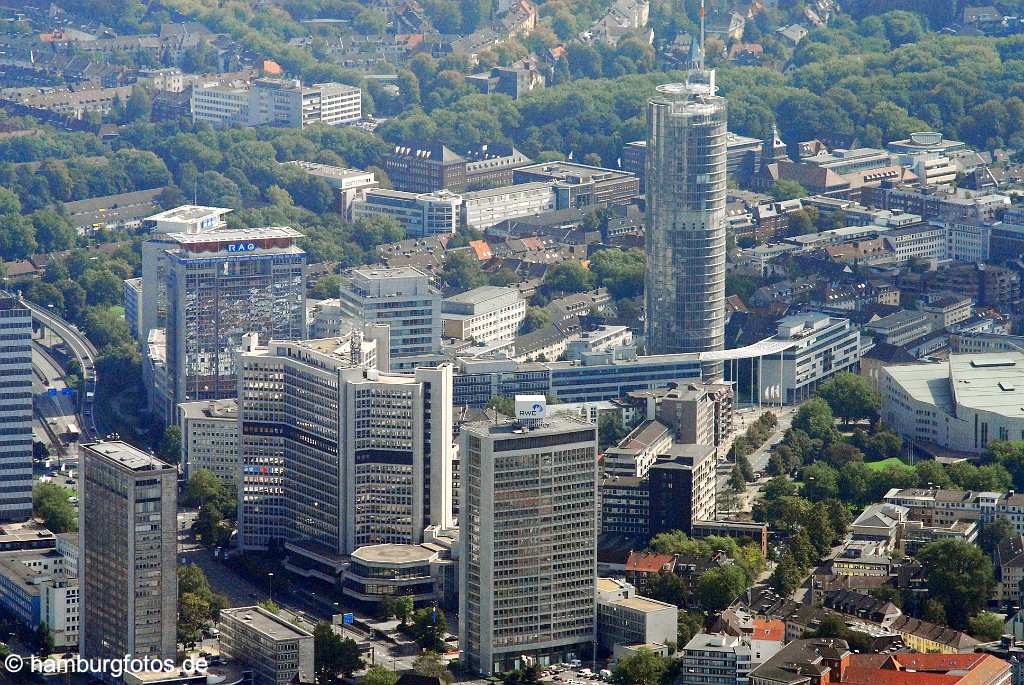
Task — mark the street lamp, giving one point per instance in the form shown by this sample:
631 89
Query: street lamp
270 586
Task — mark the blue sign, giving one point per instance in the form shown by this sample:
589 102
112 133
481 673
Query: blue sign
52 392
67 391
348 618
241 247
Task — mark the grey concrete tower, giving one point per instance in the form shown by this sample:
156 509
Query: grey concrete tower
685 244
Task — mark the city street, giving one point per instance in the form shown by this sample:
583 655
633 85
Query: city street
759 457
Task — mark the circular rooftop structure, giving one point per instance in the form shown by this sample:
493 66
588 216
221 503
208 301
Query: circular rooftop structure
926 138
393 555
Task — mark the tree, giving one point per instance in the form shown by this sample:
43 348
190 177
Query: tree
820 482
429 664
815 418
429 627
50 503
461 271
717 588
610 429
43 640
333 656
839 454
736 481
326 288
669 588
850 397
378 675
270 606
621 271
746 468
535 319
403 607
643 668
569 277
959 577
787 576
995 533
986 626
138 106
170 445
787 190
503 405
193 614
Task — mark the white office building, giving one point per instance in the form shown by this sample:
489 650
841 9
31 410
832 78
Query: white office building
721 659
921 242
336 454
528 534
485 314
419 214
962 404
209 438
482 209
15 409
816 347
349 184
284 103
626 618
403 299
968 242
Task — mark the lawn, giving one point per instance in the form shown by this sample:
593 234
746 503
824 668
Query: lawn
886 463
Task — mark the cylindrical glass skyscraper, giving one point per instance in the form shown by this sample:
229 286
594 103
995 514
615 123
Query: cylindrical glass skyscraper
685 243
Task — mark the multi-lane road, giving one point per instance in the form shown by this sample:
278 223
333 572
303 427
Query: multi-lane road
79 347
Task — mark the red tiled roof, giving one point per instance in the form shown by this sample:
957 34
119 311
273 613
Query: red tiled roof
481 249
923 669
774 630
648 563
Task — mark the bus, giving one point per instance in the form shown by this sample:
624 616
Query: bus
71 434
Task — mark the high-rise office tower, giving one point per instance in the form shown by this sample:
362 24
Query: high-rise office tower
337 455
528 563
682 488
15 409
402 298
184 219
129 583
685 242
222 285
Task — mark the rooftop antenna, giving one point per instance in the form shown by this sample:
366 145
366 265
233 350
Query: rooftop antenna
700 65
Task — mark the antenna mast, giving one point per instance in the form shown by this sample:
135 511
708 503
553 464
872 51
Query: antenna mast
700 66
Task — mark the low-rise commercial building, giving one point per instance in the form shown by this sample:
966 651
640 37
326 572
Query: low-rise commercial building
900 328
210 438
947 310
626 618
276 650
425 572
637 452
920 242
722 659
482 209
349 184
581 185
419 214
483 314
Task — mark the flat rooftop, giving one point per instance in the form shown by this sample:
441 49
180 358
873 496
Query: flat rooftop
326 170
482 294
188 213
266 623
643 604
393 554
210 409
372 274
127 456
231 234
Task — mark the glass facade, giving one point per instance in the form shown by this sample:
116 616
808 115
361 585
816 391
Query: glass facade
215 300
686 191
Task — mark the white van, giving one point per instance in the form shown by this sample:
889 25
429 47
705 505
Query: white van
575 663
